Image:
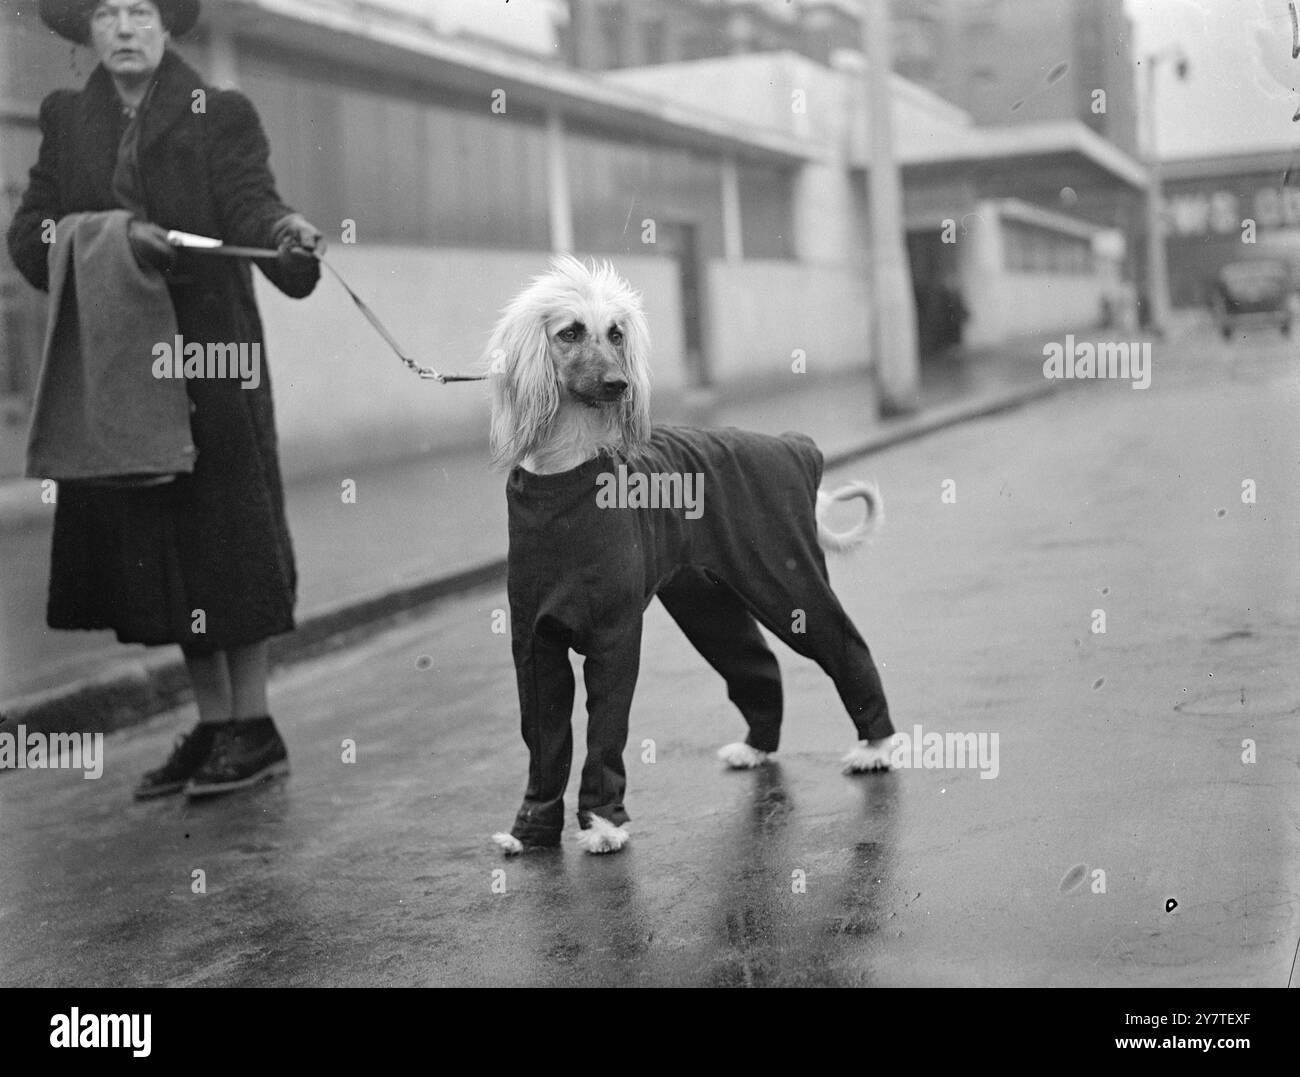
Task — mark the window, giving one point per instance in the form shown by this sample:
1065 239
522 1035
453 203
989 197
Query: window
653 39
766 222
915 46
611 40
615 184
406 170
1029 248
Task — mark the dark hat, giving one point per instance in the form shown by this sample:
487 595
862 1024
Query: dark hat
71 18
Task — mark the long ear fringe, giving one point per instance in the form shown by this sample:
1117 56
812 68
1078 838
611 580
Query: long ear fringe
635 413
524 394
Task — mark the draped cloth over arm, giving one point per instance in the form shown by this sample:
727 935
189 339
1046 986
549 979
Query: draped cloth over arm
99 412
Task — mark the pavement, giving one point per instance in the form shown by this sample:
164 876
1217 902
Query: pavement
1140 825
420 529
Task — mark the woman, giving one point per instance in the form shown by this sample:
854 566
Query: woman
204 560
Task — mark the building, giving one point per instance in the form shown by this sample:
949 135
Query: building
456 169
1024 61
1228 208
1045 112
1003 61
1026 222
731 191
600 35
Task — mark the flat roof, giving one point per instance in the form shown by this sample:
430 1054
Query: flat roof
367 37
987 144
1018 209
1229 164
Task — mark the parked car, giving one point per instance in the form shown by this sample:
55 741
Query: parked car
1253 293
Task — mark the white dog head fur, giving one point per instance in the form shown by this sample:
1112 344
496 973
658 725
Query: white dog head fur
569 369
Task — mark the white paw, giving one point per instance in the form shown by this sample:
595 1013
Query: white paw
510 845
740 756
602 836
868 755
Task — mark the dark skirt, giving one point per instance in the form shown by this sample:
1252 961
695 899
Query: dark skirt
209 551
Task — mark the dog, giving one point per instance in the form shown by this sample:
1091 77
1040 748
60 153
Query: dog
600 522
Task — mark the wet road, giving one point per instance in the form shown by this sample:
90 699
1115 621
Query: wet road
1120 781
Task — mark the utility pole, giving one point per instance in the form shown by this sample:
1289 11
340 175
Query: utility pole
584 35
893 305
1157 269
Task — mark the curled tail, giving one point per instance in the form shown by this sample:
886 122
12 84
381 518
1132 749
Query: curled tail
841 541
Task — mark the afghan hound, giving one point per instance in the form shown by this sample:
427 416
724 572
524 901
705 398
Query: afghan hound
606 511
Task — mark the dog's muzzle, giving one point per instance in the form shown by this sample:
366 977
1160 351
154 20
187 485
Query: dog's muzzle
606 391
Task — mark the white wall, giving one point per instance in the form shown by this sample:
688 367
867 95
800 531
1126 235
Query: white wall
829 224
1046 303
341 396
761 311
980 262
1006 304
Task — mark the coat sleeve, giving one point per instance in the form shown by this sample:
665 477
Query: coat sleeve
41 201
544 677
611 661
609 672
248 205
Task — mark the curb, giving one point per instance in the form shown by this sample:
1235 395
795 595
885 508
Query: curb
139 689
942 417
21 504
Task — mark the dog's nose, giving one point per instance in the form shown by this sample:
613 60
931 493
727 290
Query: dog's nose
614 384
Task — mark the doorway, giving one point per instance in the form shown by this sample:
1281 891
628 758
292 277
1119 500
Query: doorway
941 309
679 241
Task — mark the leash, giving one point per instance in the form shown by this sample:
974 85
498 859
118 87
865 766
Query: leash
425 372
207 245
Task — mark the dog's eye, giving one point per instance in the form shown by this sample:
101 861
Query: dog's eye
616 335
569 333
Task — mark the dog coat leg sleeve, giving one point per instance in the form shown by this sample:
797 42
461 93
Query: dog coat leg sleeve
610 675
719 625
759 536
545 681
832 641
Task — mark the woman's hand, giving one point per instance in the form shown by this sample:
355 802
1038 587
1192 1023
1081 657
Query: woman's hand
150 247
296 238
299 244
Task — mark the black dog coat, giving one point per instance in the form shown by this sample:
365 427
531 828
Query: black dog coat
591 546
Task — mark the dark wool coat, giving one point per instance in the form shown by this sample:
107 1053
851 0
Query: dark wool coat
143 561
